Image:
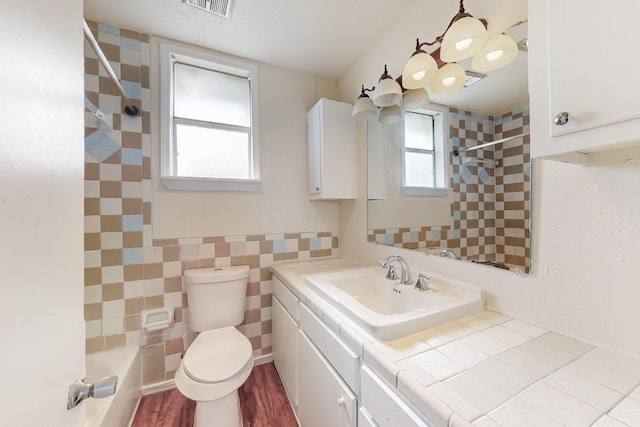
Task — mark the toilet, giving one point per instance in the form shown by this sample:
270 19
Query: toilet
220 359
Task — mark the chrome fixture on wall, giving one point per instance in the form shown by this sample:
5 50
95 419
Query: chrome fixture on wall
464 37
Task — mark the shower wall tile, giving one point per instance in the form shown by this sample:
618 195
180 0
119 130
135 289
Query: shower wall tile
126 271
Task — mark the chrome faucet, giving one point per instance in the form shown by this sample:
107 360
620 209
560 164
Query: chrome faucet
405 276
448 253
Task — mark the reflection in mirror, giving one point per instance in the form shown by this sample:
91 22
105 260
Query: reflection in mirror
483 214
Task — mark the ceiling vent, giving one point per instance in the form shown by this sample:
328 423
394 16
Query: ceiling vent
217 7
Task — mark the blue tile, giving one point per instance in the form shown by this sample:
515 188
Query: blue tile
315 243
130 43
100 146
388 239
132 156
465 174
132 89
437 235
110 29
132 223
279 246
456 178
456 234
527 170
132 256
484 176
456 215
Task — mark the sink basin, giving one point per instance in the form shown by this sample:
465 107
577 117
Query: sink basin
388 310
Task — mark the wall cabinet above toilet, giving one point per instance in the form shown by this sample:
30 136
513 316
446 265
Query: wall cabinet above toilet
331 147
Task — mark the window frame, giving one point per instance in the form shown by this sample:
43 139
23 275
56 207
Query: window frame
440 155
171 53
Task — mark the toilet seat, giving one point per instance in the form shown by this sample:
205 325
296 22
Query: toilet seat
216 364
217 355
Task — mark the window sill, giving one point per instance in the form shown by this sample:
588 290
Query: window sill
181 183
425 192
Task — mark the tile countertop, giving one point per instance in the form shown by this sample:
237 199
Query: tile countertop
488 370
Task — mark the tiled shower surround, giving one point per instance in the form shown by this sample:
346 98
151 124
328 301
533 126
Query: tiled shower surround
490 206
126 271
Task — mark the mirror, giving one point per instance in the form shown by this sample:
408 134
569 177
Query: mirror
483 213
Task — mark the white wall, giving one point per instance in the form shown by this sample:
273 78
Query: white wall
41 211
283 203
586 233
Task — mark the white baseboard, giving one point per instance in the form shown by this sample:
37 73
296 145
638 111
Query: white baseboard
267 358
157 387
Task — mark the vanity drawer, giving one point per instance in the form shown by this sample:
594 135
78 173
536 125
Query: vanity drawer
386 408
286 298
343 359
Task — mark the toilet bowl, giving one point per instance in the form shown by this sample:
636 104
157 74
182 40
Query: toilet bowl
220 359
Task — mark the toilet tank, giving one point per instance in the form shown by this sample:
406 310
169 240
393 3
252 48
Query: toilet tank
216 296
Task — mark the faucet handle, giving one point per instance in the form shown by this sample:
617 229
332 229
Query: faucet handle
422 282
391 274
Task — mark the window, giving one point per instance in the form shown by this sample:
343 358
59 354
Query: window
209 117
424 167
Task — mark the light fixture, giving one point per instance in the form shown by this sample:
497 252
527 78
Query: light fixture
388 92
464 37
450 78
500 51
390 115
420 70
364 108
415 99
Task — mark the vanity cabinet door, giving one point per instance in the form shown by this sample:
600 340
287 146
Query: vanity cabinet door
324 399
583 60
284 348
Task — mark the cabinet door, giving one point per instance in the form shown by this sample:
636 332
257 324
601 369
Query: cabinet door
324 399
584 61
314 147
284 348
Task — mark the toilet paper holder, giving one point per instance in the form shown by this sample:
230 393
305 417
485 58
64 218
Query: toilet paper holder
155 320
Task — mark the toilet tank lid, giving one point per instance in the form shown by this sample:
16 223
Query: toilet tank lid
216 274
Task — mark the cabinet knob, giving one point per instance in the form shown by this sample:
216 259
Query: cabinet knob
341 401
561 118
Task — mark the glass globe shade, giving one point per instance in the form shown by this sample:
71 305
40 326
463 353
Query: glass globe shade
390 115
501 50
364 109
388 92
414 99
420 70
463 39
450 78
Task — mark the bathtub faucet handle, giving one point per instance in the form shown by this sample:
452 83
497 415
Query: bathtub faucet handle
79 390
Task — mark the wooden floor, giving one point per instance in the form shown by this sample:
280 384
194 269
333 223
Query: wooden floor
263 402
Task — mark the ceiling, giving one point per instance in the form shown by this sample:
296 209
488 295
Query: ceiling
319 38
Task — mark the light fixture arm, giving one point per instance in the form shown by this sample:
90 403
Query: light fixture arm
363 93
461 14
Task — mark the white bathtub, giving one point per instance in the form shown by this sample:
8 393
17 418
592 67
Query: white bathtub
117 410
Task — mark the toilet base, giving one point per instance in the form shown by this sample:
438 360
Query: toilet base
223 412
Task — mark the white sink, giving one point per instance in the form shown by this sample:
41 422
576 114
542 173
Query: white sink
388 310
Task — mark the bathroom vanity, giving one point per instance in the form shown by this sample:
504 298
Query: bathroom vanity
318 365
483 369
